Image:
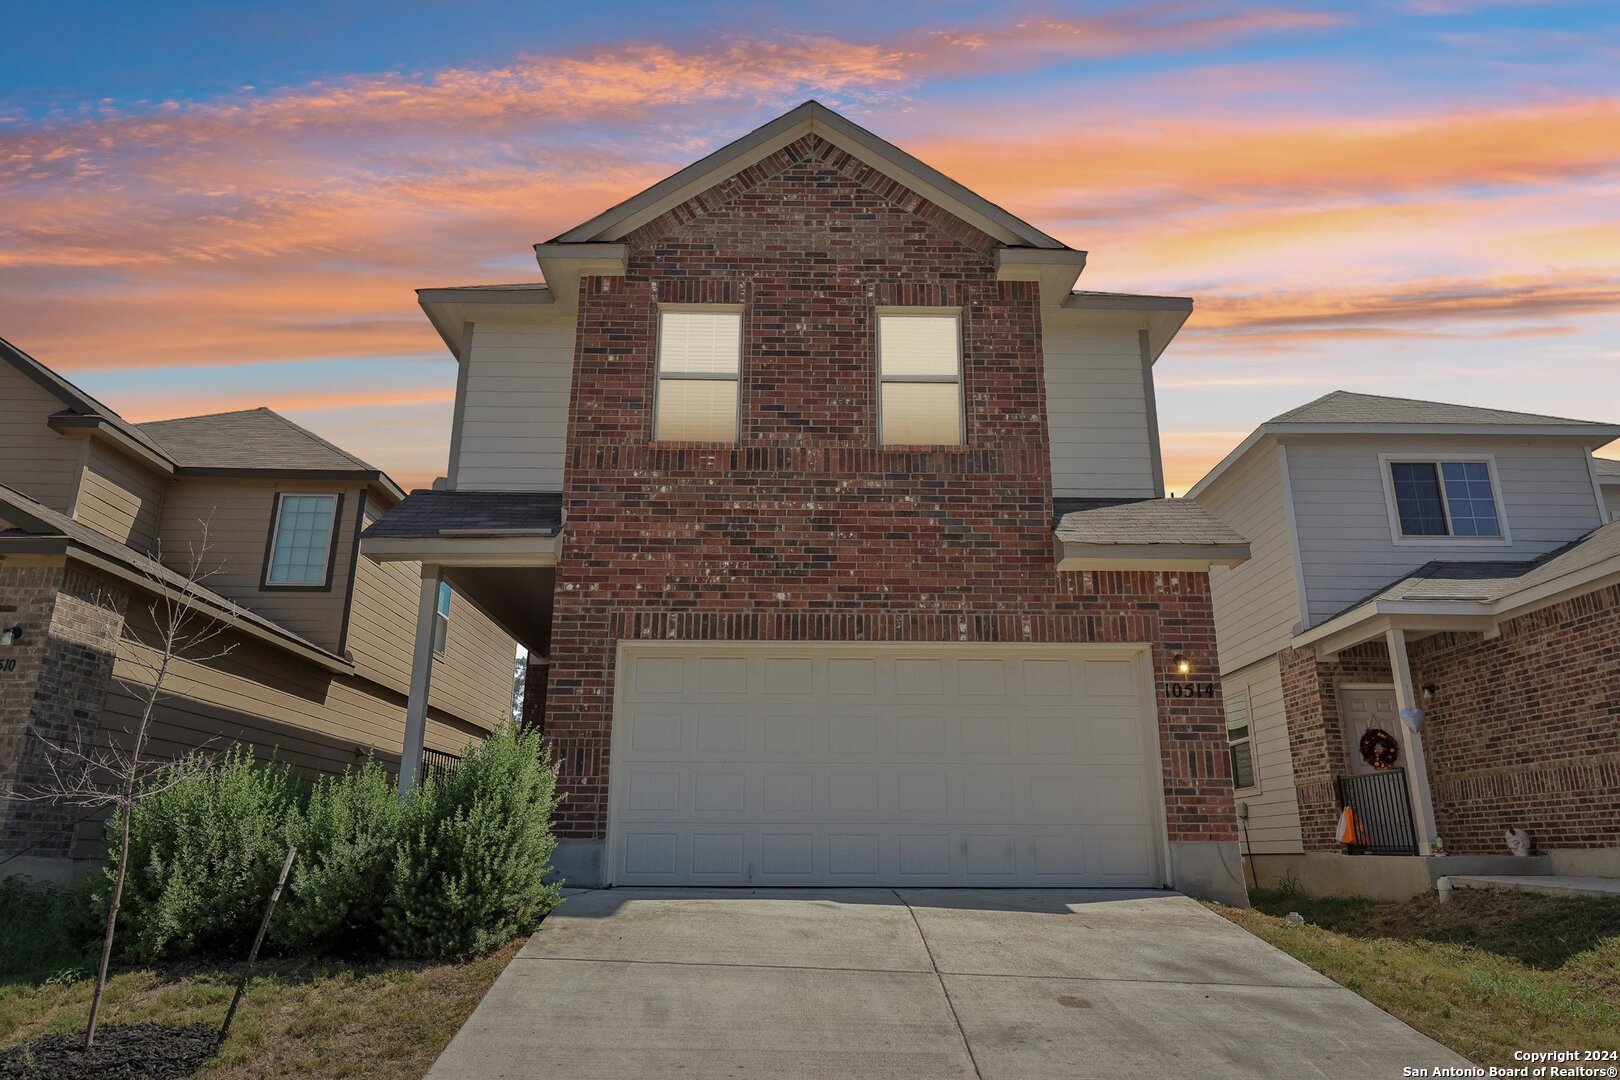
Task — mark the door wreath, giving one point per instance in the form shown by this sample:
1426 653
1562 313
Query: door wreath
1379 748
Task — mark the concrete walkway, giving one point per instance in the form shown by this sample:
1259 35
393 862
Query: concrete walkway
626 984
1551 884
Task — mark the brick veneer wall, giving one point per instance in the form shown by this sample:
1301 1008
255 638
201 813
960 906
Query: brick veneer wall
808 530
71 625
1524 730
1315 734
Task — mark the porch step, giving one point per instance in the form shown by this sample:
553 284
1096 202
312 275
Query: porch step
1551 884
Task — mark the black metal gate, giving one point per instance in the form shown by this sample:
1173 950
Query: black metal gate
1382 811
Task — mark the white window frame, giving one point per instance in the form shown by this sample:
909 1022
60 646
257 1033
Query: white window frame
329 549
701 376
1451 540
1248 740
954 313
441 619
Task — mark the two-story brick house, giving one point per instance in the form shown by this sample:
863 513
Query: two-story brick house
1428 632
99 519
834 516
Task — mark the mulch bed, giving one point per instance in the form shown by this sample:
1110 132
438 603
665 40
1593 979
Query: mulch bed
123 1052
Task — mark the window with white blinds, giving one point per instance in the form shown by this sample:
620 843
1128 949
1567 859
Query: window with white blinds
920 379
699 356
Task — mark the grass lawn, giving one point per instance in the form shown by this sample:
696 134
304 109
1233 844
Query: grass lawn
1489 973
324 1019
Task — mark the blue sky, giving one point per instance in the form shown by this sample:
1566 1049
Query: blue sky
219 206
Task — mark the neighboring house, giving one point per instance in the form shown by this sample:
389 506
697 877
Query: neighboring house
835 516
98 517
1608 475
1415 555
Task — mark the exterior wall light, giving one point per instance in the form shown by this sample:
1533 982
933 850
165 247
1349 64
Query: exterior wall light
1429 690
12 636
1180 664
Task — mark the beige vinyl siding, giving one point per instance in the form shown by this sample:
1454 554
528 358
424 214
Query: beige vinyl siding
513 406
1256 602
1343 519
121 499
39 462
1096 410
239 513
1273 806
472 680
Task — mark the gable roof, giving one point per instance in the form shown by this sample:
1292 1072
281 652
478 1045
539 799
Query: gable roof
812 117
252 442
78 402
1344 407
1344 413
33 524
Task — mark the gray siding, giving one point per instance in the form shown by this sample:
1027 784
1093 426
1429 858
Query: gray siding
1343 520
1096 409
35 460
1611 500
512 406
1273 824
1256 602
121 499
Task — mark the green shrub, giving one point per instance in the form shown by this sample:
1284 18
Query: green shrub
46 931
476 845
206 844
346 841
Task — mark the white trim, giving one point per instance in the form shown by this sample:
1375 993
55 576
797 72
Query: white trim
1077 556
1597 489
1139 653
1451 540
701 376
960 382
1293 536
275 541
1365 686
1256 788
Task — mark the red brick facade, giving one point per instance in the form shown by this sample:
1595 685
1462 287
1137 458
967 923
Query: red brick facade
807 529
1523 730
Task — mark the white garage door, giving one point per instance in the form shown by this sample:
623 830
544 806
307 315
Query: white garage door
882 765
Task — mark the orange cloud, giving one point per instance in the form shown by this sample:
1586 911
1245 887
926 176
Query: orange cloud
1426 302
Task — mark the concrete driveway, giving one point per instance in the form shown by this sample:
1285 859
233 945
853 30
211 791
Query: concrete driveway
648 983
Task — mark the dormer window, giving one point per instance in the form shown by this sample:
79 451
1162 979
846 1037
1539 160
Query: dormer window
699 358
1444 498
302 536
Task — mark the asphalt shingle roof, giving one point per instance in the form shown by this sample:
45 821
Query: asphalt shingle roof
1607 466
249 439
34 519
1488 582
437 513
1343 407
1150 521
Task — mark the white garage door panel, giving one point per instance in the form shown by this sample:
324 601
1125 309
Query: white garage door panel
931 765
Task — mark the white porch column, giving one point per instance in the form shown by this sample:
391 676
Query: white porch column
1417 769
416 706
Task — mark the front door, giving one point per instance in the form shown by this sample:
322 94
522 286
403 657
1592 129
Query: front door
1378 795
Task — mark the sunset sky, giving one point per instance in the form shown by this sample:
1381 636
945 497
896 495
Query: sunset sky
207 206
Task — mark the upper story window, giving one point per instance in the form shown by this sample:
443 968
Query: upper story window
699 357
1240 741
441 618
920 378
301 541
1445 498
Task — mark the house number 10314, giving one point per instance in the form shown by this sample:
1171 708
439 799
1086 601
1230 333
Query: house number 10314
1193 690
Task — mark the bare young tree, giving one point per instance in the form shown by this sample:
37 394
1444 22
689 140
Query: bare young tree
96 773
